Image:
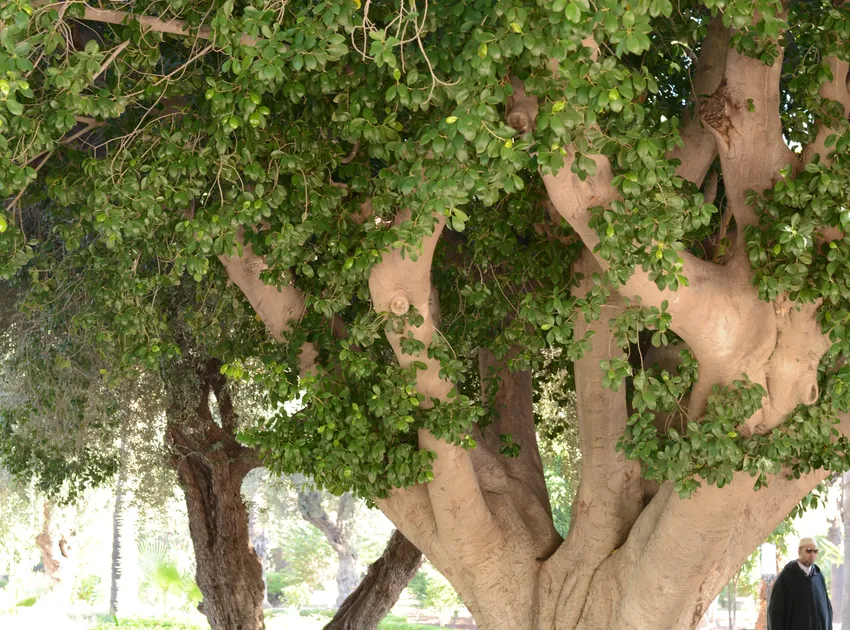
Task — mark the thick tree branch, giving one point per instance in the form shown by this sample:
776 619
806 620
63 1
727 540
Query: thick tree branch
380 588
514 415
277 307
836 89
743 114
688 306
396 284
609 498
699 147
453 522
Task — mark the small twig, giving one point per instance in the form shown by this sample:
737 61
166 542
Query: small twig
350 157
110 59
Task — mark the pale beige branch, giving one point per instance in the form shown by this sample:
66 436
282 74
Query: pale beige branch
171 27
609 498
836 89
278 308
699 147
743 114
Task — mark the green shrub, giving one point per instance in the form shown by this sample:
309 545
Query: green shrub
327 613
396 624
296 595
88 589
434 591
276 582
418 585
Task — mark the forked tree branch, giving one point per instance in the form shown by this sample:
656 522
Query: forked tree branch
699 147
743 114
396 284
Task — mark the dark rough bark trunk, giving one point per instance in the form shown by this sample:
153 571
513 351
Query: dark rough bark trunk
380 589
211 466
228 571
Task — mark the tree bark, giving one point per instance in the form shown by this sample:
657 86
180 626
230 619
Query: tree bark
228 571
337 533
629 562
44 541
845 515
380 589
117 522
211 466
123 592
57 558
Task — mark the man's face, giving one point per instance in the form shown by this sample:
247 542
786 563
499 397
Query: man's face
808 554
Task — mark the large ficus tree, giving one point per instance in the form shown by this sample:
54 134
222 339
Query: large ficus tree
423 200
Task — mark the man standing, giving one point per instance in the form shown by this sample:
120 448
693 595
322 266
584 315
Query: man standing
799 600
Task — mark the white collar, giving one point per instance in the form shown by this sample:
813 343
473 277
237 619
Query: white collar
806 570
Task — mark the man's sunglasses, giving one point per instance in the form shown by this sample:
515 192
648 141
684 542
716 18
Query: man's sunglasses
810 550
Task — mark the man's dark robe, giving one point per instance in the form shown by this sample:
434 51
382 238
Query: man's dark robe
799 601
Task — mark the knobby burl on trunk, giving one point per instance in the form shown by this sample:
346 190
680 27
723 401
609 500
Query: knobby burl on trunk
630 560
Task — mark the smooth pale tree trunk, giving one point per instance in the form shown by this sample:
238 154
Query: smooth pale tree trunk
386 578
845 515
338 534
260 542
836 586
211 466
117 522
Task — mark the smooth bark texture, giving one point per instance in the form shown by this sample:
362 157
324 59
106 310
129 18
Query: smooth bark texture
380 589
338 533
211 466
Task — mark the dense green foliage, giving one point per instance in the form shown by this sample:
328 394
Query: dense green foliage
112 238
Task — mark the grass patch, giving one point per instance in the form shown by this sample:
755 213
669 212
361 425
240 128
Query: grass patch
145 624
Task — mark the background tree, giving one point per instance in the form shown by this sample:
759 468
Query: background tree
314 155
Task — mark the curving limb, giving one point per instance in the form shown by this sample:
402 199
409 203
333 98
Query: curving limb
699 148
746 106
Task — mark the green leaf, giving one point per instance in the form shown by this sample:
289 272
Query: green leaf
633 43
14 107
572 12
